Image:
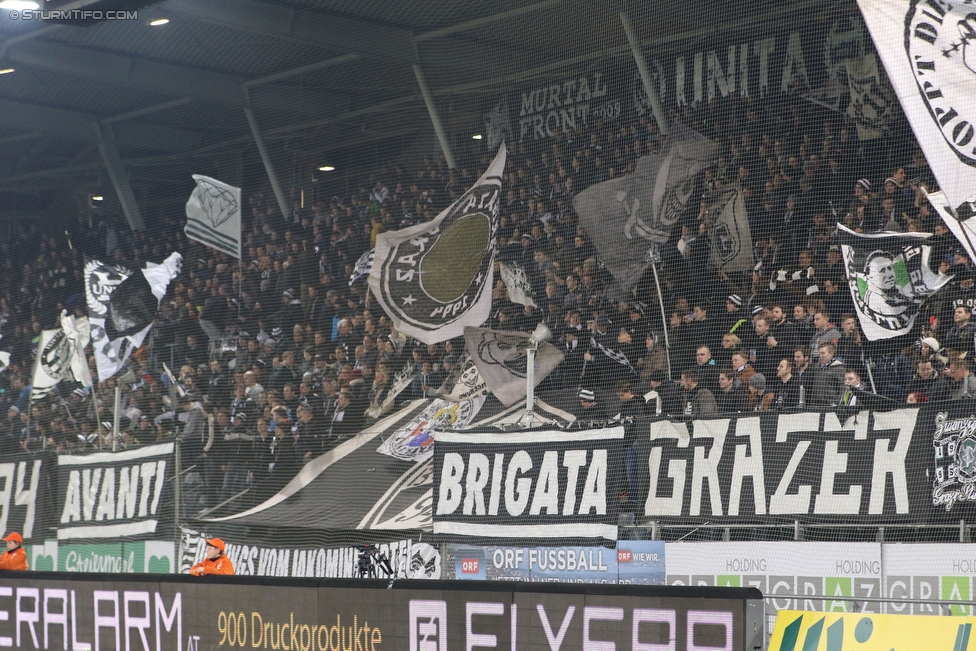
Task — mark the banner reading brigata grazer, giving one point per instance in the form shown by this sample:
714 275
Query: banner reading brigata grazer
114 494
538 484
43 610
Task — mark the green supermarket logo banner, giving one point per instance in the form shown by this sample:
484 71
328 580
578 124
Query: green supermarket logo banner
141 556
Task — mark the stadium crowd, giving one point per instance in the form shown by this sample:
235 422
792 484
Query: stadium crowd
298 355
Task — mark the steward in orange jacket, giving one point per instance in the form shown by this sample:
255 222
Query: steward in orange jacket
15 558
215 562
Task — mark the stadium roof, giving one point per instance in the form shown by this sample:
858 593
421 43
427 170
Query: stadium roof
319 75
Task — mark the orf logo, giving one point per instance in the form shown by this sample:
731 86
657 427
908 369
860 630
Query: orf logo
428 625
625 556
470 565
940 44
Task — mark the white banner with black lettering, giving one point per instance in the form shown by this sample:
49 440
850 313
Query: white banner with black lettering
536 484
114 494
924 47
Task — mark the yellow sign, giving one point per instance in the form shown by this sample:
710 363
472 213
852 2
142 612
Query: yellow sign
809 631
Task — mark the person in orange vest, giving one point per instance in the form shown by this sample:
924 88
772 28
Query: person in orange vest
215 562
15 558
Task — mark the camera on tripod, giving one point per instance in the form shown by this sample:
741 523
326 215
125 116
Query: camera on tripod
371 561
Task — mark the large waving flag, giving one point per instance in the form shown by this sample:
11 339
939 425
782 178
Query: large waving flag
433 279
122 302
627 218
213 215
925 48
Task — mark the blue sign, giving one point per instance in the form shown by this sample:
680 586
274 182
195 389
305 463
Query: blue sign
635 562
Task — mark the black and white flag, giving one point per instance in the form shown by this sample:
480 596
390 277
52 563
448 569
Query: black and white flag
498 127
213 215
469 384
929 52
398 384
433 279
731 239
363 265
53 362
964 228
501 360
613 354
872 100
889 277
115 494
122 302
518 284
629 217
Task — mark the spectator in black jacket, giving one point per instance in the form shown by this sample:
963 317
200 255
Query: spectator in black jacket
928 382
668 392
729 399
786 387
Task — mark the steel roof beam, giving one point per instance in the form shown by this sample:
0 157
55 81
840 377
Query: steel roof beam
370 40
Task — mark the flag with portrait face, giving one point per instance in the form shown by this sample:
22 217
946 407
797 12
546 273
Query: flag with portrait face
889 278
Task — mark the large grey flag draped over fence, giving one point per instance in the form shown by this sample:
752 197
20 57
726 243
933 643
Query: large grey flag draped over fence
889 278
629 217
213 215
433 279
501 360
925 48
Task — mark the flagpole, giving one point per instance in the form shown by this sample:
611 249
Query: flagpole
240 288
30 395
664 318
